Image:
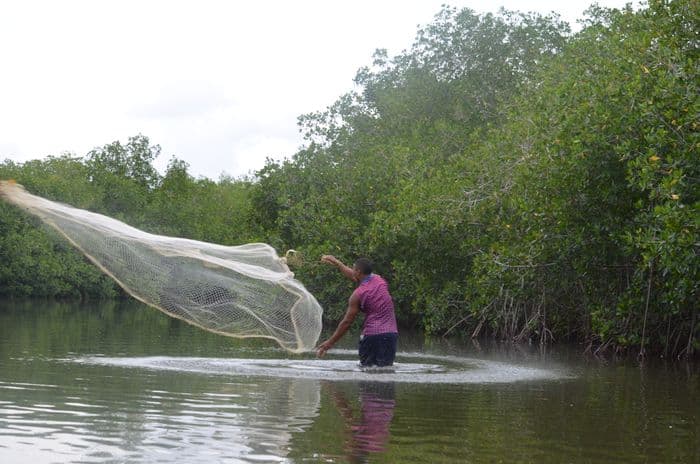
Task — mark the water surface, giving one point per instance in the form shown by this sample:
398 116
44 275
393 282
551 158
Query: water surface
109 383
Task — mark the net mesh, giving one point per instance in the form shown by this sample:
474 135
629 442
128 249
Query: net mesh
238 291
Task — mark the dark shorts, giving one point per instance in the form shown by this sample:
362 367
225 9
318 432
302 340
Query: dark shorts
378 350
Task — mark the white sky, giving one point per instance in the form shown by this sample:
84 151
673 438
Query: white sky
219 84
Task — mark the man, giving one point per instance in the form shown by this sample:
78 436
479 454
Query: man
379 332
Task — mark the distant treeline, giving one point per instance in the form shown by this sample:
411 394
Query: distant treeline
508 177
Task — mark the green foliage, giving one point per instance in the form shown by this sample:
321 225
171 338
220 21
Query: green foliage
124 176
34 261
201 209
118 180
511 178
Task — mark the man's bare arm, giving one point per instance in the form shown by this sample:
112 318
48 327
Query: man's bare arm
350 315
345 270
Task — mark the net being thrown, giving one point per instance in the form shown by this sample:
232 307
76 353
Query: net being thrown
238 291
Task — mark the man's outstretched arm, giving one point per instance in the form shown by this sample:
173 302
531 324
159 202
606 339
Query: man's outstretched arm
345 270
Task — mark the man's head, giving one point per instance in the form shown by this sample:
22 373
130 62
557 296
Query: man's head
362 268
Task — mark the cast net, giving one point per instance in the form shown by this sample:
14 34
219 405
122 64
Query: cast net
238 291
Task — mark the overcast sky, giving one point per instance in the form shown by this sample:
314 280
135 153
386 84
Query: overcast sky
219 84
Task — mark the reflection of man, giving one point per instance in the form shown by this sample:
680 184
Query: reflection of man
370 432
379 333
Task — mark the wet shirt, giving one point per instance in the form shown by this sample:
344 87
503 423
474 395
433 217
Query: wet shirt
376 303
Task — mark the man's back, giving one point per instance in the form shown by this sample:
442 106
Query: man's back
378 306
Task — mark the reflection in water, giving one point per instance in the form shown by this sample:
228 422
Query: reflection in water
106 416
283 408
367 430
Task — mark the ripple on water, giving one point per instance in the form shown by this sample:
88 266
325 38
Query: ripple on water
409 368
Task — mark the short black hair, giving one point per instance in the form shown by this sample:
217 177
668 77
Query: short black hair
364 265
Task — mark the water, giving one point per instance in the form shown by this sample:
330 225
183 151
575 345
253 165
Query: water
113 383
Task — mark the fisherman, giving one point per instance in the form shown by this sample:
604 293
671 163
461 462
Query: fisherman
377 347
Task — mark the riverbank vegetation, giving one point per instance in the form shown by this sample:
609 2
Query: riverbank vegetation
508 177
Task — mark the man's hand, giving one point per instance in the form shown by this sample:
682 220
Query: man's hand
330 259
323 347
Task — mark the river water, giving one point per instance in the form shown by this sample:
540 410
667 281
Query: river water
122 383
